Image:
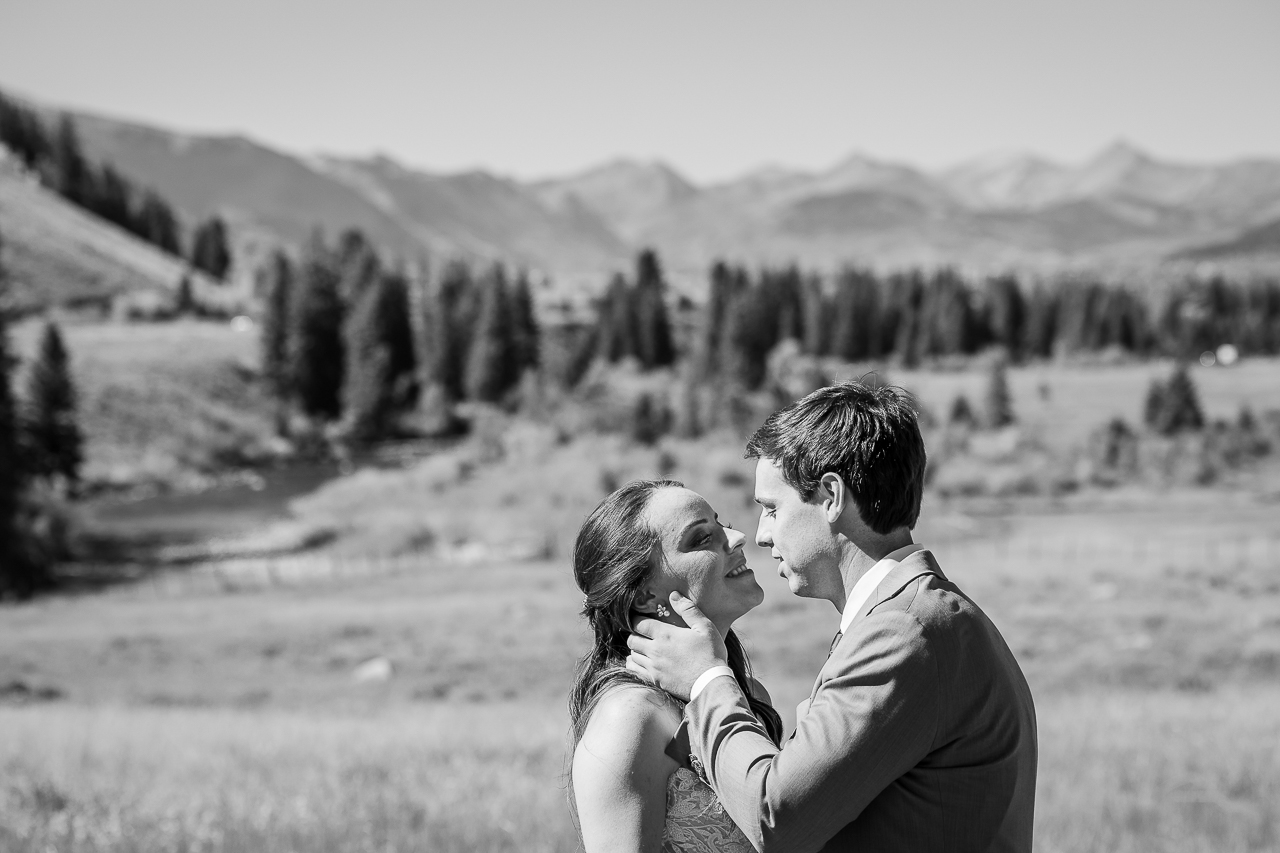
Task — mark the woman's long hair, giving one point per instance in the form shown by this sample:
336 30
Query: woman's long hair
614 553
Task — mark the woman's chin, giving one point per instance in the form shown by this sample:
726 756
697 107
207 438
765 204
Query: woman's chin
754 602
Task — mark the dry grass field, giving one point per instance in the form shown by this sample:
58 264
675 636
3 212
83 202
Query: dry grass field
190 718
184 714
217 708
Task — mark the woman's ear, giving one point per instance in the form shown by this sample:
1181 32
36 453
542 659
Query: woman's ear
835 495
646 601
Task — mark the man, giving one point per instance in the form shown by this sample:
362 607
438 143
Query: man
920 732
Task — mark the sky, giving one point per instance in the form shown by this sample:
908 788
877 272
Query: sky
714 88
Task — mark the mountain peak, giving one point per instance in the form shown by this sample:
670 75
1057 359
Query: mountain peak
1120 154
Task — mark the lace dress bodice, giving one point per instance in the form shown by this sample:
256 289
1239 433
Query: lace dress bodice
696 822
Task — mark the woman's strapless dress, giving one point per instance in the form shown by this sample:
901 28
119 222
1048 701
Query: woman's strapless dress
696 822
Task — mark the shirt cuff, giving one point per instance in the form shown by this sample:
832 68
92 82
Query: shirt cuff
705 679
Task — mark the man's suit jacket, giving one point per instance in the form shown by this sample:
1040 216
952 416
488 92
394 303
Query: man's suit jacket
920 735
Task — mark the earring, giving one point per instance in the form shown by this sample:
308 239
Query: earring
663 611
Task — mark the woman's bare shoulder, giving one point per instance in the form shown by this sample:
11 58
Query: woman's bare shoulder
630 722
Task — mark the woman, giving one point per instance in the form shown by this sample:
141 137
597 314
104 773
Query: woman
631 782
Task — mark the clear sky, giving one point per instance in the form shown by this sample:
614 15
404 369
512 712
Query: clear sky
713 87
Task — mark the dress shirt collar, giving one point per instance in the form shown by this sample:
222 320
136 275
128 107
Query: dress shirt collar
868 582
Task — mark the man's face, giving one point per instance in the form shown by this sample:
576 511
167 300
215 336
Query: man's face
795 529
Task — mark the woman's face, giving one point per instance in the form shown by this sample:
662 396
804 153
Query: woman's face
703 558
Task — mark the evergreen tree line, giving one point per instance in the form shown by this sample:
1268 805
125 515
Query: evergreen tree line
346 338
40 446
632 317
59 160
912 316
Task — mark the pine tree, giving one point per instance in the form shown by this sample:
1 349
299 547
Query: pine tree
491 367
857 316
396 332
52 433
359 265
619 335
1179 405
367 393
1154 404
154 222
814 314
115 198
1006 314
948 323
17 573
184 301
906 291
783 291
22 132
316 356
524 324
12 575
1040 326
275 284
72 176
653 341
451 305
1077 327
209 249
648 421
742 362
707 346
999 401
961 413
380 358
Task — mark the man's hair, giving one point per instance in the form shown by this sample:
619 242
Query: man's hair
865 433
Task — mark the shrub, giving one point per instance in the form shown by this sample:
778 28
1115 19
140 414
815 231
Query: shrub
999 401
961 413
1174 406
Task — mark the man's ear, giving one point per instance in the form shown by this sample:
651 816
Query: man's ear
834 494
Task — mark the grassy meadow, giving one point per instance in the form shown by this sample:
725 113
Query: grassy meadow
223 707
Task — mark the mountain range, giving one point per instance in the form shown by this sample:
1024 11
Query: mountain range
1121 209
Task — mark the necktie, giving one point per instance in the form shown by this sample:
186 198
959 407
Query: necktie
834 641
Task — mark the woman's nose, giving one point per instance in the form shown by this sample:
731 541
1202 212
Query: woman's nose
736 538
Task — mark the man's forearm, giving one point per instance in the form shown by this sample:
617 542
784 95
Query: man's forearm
873 719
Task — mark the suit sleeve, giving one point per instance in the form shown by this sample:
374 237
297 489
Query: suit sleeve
873 718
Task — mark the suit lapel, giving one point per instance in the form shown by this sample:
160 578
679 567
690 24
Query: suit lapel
916 564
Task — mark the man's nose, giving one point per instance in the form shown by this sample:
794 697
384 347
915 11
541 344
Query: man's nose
764 538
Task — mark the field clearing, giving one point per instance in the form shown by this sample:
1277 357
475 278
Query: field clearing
216 708
210 717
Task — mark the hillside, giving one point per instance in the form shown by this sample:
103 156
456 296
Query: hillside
1121 209
1263 241
56 253
274 195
